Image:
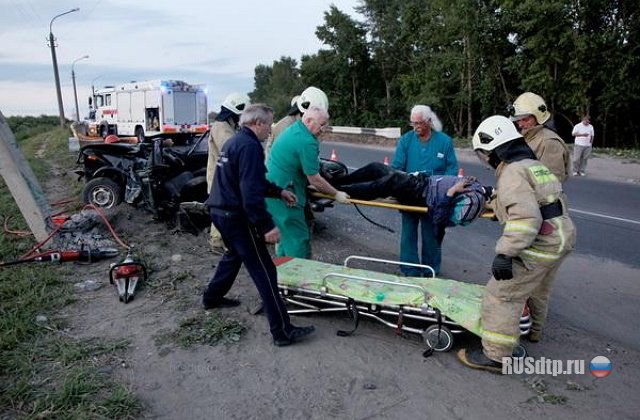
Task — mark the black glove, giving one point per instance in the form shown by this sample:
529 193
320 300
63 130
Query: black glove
502 267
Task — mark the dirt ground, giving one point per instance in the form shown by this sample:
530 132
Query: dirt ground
374 374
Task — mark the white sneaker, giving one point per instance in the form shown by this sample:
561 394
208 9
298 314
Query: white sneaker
576 174
583 174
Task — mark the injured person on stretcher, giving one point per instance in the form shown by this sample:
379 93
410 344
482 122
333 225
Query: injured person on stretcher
451 200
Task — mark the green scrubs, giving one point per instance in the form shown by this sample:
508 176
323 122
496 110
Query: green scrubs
292 158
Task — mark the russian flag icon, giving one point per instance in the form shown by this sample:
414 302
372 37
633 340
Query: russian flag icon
600 366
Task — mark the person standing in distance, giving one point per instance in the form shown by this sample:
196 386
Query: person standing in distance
537 236
222 129
427 150
583 134
238 210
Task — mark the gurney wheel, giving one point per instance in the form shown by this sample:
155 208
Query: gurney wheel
438 338
520 351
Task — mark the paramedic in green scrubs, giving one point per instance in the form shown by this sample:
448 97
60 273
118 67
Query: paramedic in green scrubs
428 150
292 162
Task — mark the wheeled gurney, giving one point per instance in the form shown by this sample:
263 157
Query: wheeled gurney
432 307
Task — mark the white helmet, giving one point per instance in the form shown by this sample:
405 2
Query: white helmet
236 102
312 96
493 132
294 100
529 104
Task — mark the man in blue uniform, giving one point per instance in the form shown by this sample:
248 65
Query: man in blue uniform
238 210
425 149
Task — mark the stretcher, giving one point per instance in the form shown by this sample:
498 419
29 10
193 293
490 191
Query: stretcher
434 308
324 200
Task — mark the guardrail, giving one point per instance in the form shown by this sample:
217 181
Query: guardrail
389 132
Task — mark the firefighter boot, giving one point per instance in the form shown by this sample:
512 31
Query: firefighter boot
476 359
534 336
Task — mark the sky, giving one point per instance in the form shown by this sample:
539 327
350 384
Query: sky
215 43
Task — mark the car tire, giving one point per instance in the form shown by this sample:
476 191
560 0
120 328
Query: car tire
102 192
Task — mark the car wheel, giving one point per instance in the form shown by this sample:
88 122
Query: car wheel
102 192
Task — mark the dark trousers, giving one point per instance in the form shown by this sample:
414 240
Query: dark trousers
377 180
246 246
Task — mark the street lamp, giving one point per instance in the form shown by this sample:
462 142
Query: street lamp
73 77
56 75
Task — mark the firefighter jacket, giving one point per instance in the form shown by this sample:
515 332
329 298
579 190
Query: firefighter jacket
550 150
220 132
276 130
524 189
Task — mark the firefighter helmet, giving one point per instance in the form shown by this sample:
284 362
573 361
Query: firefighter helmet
236 102
493 132
529 104
312 96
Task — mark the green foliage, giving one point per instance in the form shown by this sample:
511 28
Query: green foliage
25 127
469 59
277 84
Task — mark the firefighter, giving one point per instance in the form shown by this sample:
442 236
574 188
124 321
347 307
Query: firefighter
293 115
538 234
224 127
531 115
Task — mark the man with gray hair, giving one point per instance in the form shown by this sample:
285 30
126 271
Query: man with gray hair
238 210
426 150
294 161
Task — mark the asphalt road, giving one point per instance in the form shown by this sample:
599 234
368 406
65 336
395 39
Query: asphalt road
598 289
606 213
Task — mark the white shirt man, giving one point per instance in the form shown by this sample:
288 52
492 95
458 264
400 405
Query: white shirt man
583 134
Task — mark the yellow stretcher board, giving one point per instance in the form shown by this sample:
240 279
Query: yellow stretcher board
394 205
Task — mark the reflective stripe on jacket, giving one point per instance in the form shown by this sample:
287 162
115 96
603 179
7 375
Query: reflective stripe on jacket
522 188
550 150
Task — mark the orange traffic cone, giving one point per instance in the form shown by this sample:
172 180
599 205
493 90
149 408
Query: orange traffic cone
386 160
333 155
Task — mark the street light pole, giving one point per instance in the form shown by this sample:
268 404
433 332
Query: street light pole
73 78
55 63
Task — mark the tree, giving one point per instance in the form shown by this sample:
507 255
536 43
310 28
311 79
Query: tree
277 84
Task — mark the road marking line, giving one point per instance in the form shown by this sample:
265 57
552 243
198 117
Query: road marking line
620 219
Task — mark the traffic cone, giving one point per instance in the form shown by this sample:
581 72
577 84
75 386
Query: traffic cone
386 160
334 157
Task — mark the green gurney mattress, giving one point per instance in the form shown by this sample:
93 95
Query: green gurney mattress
456 300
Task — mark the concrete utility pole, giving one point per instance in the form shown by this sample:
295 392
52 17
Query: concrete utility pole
22 183
73 78
56 75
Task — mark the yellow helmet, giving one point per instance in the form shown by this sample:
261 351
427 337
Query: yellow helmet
529 104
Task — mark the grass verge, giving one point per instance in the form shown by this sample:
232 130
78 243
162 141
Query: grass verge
44 372
204 329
